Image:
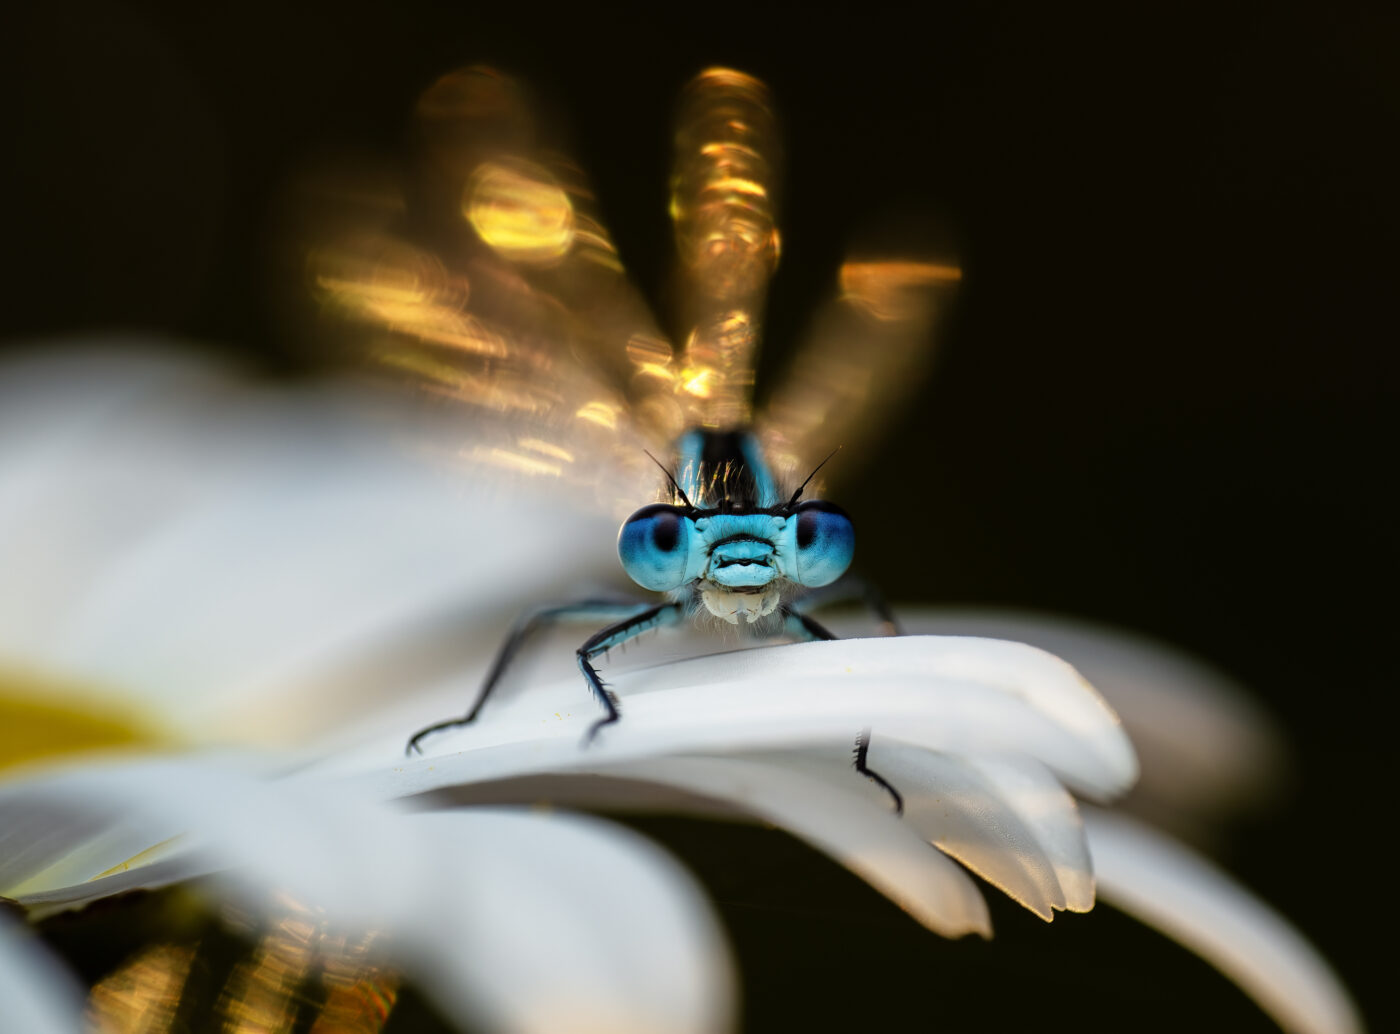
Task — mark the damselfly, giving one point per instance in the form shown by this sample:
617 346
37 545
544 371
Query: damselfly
489 280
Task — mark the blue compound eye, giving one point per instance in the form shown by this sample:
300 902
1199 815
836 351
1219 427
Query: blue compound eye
654 547
826 541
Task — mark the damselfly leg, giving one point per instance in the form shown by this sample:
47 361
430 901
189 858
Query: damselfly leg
852 588
802 627
862 751
629 620
615 635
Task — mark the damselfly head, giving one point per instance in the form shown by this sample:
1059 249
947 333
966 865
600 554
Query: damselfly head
729 555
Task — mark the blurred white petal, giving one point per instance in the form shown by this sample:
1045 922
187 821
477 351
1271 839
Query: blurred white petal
52 401
578 926
84 473
1168 886
150 509
57 896
511 920
37 994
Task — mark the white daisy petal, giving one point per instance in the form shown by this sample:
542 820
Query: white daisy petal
997 819
511 921
78 439
1168 886
1050 812
946 693
37 995
276 569
132 875
1008 821
1204 743
567 923
887 853
919 690
68 826
148 511
46 846
53 401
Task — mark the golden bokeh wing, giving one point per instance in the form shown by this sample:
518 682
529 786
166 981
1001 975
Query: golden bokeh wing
481 276
864 355
724 208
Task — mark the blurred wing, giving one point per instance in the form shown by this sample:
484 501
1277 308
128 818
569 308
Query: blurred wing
865 354
723 205
485 279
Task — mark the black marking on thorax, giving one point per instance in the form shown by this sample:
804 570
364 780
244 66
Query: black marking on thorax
728 483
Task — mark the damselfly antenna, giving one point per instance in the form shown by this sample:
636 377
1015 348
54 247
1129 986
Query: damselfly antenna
678 490
798 494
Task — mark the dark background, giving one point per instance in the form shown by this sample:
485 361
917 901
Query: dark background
1164 401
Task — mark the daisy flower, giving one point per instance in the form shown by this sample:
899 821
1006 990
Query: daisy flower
222 566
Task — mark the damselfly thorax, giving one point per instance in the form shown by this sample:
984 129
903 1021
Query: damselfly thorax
487 280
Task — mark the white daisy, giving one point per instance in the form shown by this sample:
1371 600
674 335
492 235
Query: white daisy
243 598
37 994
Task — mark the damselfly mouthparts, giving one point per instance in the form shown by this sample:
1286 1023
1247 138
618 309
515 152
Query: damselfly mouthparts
489 279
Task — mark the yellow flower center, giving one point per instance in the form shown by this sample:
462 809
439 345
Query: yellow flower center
40 719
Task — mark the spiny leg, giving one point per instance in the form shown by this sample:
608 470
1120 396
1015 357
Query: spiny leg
800 626
861 752
615 635
525 627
